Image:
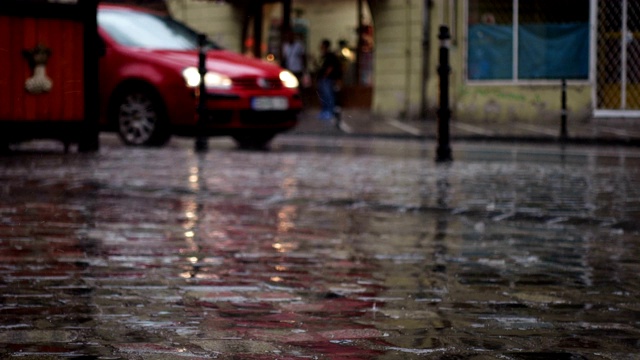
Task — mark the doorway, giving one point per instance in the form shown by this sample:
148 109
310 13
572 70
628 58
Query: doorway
618 59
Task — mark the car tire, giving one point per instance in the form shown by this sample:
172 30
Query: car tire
140 117
254 141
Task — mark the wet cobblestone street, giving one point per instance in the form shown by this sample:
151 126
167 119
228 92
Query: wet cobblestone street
320 249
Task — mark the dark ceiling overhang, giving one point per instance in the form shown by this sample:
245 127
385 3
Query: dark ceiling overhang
246 3
159 5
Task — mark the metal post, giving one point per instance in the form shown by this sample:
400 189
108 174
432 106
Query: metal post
359 43
443 152
563 116
201 138
426 35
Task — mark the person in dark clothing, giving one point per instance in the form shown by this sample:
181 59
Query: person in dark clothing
329 73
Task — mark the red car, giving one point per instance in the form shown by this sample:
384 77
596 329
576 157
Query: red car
149 81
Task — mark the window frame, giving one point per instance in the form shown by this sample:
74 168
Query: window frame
515 80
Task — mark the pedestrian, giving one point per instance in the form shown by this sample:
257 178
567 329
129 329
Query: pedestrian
328 76
342 53
295 55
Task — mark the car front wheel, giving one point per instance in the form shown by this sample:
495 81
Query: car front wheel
140 117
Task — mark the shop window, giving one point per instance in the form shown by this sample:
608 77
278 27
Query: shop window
528 39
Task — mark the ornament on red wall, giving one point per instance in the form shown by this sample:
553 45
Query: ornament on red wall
37 57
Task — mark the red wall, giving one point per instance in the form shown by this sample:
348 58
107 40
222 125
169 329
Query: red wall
65 68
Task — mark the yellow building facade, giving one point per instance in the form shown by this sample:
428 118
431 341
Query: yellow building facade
485 96
507 57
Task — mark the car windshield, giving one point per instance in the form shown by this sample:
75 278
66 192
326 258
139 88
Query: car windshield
149 31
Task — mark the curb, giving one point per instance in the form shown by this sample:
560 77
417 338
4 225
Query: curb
472 138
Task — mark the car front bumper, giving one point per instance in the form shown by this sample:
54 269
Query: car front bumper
232 114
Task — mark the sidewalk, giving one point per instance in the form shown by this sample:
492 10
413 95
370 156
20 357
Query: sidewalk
359 122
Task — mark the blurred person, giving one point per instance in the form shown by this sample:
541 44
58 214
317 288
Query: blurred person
295 55
328 76
344 55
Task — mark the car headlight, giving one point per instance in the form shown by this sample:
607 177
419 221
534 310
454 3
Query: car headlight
288 79
212 80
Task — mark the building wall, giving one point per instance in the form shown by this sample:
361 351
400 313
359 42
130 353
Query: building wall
397 29
220 21
398 72
398 57
523 104
528 102
331 19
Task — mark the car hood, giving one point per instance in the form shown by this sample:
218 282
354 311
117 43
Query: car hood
225 62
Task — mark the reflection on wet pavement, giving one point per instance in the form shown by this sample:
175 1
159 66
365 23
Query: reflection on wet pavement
304 253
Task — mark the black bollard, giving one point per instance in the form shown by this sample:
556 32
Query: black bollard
563 117
202 142
443 152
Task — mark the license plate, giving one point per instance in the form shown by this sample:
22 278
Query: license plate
263 103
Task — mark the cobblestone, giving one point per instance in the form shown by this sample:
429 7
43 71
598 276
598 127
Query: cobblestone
329 249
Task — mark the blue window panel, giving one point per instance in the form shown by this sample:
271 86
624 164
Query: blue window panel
553 51
490 54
